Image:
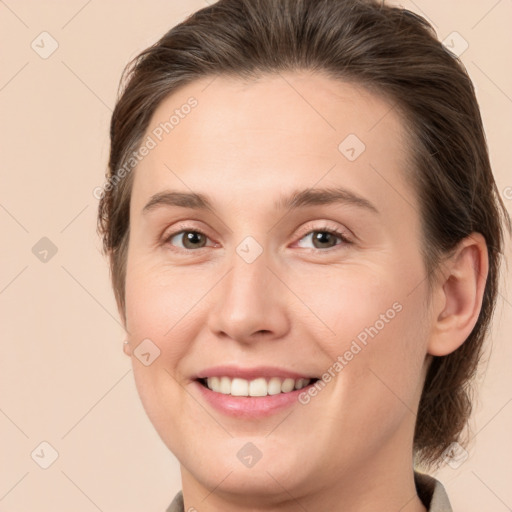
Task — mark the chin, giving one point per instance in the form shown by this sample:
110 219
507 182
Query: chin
237 466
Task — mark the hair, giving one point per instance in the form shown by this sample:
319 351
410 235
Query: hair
391 52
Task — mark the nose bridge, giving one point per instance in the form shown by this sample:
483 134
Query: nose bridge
247 284
249 301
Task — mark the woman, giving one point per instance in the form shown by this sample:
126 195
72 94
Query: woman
328 160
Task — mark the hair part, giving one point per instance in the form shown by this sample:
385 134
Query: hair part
391 52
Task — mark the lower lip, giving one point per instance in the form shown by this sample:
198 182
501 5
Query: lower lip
248 406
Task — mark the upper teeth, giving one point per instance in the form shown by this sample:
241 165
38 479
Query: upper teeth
256 387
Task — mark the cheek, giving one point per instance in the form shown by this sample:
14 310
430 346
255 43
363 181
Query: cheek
356 302
149 310
153 312
386 375
158 300
155 309
375 328
376 392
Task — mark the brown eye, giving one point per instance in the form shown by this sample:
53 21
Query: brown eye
325 238
188 239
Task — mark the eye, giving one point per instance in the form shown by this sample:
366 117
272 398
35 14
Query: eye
325 238
322 238
189 239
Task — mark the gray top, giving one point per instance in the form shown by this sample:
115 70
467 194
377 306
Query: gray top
430 491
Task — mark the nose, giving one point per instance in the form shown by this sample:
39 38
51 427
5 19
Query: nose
250 303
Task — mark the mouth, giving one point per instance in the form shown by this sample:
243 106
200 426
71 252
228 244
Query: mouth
258 387
251 392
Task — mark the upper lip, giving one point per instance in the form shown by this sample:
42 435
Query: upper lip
251 373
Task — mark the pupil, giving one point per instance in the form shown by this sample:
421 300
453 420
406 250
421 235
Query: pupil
192 237
321 236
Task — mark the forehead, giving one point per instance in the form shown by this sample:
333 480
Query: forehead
279 131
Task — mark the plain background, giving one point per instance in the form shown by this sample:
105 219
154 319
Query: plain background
63 376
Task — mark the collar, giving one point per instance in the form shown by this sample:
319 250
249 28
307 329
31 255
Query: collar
432 493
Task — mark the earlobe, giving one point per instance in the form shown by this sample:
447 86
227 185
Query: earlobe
127 348
462 289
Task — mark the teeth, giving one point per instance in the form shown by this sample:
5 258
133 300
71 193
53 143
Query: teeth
225 385
274 386
239 387
287 385
256 387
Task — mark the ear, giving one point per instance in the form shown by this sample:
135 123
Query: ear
458 295
127 349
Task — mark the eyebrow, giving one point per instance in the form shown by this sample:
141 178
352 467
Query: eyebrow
297 199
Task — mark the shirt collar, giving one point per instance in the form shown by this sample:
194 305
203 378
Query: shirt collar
432 493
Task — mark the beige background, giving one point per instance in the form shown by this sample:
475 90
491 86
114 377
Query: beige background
63 376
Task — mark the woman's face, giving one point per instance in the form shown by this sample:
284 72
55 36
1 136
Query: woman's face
305 265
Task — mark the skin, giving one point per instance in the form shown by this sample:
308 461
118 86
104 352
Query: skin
246 144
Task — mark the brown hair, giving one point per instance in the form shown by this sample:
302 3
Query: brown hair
390 51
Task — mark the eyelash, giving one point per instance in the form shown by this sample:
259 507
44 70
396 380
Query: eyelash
332 231
324 229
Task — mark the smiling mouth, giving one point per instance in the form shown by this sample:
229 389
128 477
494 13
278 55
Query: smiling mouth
258 387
